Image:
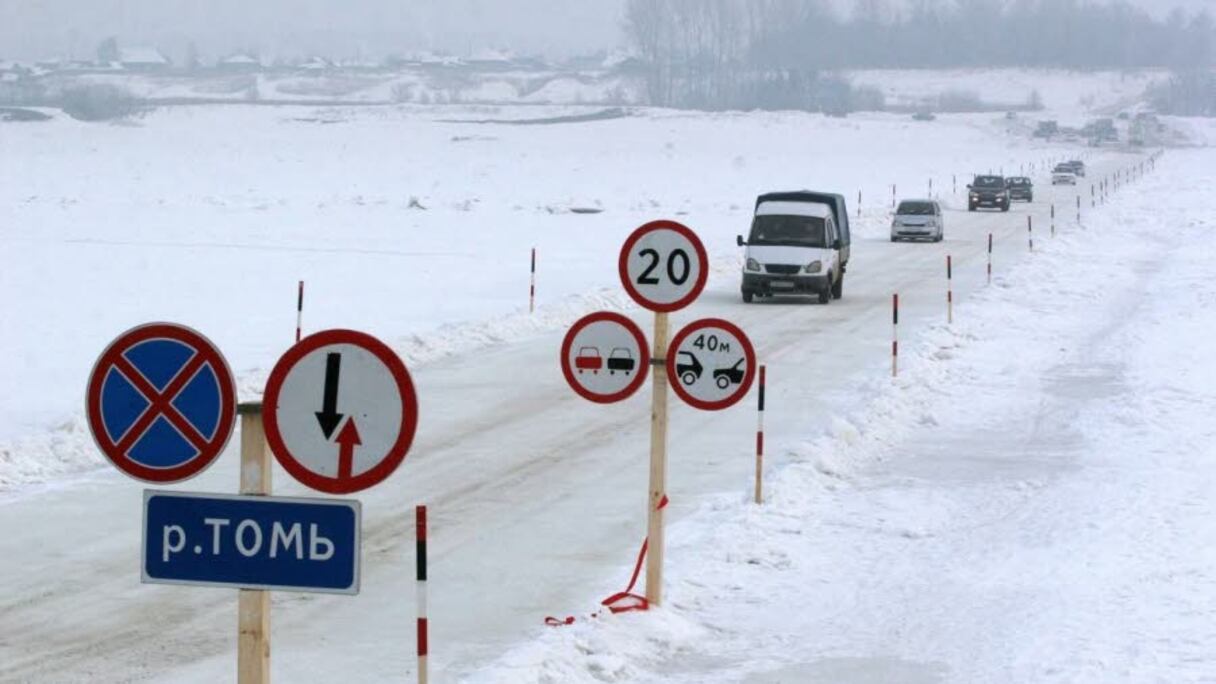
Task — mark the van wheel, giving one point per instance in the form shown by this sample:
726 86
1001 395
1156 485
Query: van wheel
747 297
825 295
838 288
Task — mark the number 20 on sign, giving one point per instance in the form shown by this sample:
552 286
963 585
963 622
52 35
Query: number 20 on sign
663 266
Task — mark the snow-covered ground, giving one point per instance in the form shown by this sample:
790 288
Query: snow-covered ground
1029 501
1025 503
211 215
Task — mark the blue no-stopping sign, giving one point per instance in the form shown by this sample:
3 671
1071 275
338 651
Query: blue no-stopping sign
161 402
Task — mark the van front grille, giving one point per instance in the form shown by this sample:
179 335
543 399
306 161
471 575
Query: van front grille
782 269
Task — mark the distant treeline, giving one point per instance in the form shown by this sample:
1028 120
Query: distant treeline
725 53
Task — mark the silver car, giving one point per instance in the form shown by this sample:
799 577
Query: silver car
918 219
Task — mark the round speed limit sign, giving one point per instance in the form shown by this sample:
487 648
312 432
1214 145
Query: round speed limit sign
664 266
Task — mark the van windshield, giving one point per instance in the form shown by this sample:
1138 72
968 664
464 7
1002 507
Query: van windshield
792 231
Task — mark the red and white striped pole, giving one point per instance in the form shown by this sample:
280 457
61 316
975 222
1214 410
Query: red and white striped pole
299 310
989 258
760 441
858 205
895 335
1053 219
892 196
949 289
1030 231
532 286
420 554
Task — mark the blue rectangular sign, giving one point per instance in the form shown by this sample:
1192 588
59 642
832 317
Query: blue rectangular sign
251 542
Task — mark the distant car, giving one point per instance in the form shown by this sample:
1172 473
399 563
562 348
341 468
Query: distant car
988 191
924 116
1063 176
1020 188
1077 166
918 219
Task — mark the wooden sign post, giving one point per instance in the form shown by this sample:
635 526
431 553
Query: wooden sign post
658 464
664 267
253 636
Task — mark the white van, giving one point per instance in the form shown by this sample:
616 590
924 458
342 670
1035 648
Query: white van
797 245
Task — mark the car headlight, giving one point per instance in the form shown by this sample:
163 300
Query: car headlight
814 267
975 195
753 265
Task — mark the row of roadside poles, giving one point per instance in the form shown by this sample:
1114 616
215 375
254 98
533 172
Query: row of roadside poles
1099 193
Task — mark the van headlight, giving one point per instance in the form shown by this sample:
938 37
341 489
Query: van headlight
753 265
814 267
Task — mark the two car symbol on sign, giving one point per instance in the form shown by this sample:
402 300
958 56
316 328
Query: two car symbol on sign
689 369
590 359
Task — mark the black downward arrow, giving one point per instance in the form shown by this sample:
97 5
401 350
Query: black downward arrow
328 416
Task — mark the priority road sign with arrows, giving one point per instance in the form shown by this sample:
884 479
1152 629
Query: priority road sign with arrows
340 411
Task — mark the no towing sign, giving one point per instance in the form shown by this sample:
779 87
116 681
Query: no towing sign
711 364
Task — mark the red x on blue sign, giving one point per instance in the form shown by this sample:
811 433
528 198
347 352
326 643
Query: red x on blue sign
161 402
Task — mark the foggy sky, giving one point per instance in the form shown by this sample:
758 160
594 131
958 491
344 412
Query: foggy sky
42 29
38 29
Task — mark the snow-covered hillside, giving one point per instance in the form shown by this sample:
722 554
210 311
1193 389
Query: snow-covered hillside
1069 95
1073 96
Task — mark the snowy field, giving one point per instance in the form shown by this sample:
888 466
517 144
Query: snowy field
211 216
1026 502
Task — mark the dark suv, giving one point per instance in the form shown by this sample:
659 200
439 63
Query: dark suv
988 191
1020 188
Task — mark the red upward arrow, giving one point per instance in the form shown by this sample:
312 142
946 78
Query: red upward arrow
347 439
